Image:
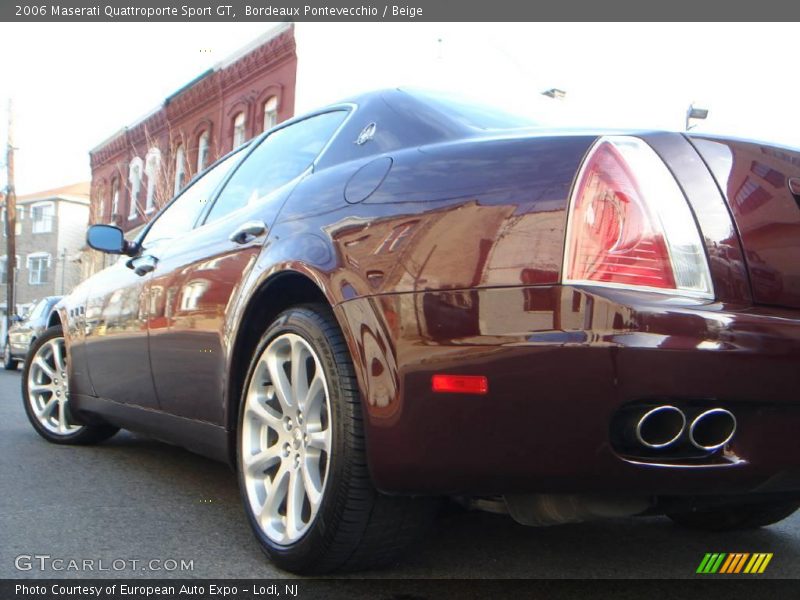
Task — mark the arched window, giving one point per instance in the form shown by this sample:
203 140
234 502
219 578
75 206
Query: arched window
135 180
180 169
151 169
100 203
202 151
239 135
270 113
115 198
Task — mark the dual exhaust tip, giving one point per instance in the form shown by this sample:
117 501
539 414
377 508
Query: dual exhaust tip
662 426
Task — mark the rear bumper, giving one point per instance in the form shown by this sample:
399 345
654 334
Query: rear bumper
560 362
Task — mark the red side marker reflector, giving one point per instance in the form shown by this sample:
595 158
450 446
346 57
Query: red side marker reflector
461 384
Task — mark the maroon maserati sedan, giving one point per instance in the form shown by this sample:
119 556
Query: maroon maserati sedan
405 297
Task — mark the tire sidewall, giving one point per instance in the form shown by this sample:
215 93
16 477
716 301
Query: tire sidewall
311 546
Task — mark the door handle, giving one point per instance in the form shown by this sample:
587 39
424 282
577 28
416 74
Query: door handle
247 232
142 265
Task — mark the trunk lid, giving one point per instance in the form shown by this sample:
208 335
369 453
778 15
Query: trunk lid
761 183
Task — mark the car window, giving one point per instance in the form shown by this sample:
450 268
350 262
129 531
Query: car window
38 310
180 216
277 160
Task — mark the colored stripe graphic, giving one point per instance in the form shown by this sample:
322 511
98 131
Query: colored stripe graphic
733 563
711 562
758 563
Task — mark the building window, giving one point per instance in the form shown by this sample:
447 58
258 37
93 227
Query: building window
151 169
4 268
101 203
38 268
42 215
115 198
180 169
202 151
135 180
270 113
239 135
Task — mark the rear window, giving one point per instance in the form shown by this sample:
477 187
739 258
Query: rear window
471 113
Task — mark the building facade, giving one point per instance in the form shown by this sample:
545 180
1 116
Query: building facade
50 233
142 166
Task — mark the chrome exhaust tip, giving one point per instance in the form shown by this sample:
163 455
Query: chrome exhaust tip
660 427
712 429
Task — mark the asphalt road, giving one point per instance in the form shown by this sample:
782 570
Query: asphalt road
133 498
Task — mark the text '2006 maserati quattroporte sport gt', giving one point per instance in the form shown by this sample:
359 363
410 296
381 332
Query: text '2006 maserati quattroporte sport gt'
405 297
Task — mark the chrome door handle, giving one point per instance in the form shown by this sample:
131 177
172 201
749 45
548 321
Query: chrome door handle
247 232
142 265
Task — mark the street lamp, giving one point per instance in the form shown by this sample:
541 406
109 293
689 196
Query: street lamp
694 112
555 94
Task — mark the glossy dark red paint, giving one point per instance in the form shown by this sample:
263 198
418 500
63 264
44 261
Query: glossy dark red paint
452 265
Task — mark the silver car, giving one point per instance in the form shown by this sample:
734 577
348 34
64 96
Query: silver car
25 330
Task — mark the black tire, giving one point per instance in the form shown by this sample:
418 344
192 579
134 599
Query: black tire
9 363
733 518
356 527
86 434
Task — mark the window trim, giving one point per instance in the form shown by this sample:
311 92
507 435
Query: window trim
36 255
43 203
4 260
138 165
152 166
348 107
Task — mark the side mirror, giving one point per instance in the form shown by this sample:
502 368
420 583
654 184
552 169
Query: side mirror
108 239
16 319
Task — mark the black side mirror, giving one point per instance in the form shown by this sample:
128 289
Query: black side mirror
108 239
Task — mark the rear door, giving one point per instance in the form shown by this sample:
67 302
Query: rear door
198 274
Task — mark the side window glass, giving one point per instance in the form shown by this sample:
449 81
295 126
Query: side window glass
180 216
277 160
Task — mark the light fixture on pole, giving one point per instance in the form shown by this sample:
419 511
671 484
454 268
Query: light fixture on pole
694 112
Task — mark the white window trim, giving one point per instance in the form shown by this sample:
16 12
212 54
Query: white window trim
180 169
37 255
4 261
135 173
52 216
239 129
203 143
115 197
151 167
271 111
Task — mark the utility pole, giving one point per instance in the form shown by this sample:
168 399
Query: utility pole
11 222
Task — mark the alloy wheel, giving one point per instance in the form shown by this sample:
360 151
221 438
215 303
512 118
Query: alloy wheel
286 438
48 388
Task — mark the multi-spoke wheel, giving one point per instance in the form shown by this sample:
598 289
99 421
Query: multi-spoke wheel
286 438
45 392
301 457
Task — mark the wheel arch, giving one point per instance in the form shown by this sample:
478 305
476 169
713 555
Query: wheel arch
276 293
54 319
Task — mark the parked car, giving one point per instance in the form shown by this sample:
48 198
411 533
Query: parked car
405 297
25 330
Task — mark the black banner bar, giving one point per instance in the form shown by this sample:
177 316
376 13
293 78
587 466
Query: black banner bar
395 589
399 11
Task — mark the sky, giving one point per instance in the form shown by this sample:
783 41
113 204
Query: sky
74 85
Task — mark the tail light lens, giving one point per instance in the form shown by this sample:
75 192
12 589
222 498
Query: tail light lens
630 225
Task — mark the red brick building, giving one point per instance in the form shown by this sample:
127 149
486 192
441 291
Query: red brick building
139 168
